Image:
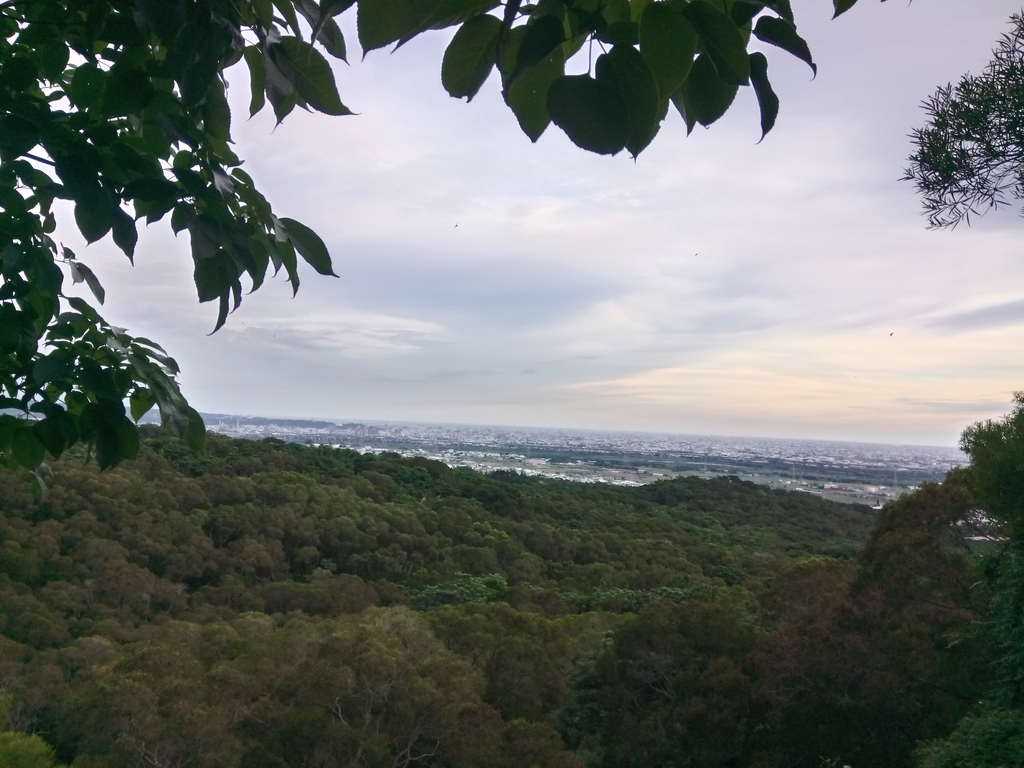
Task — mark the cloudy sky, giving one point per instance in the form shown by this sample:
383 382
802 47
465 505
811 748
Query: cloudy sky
716 286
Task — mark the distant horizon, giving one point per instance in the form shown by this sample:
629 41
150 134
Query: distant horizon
338 421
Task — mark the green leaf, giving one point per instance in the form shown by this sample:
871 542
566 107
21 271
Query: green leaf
17 136
86 85
10 330
707 97
128 438
470 56
382 22
53 366
287 9
94 215
214 276
51 57
336 7
179 218
331 38
782 34
451 12
309 245
743 12
141 401
615 11
195 433
108 449
26 448
257 78
660 119
50 435
781 7
508 51
722 38
541 38
308 70
117 437
163 18
591 113
624 69
264 13
19 73
217 113
766 98
80 273
621 33
9 425
126 91
206 235
125 234
280 91
527 96
668 43
842 6
636 9
325 29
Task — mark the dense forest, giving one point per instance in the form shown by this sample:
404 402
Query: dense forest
270 604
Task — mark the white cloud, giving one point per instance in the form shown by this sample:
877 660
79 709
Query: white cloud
354 335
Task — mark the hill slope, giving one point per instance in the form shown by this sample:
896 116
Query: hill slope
248 607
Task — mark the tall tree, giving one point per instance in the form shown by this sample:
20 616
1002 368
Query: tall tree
993 735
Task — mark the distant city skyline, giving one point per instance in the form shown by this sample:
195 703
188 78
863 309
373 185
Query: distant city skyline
314 423
862 473
717 286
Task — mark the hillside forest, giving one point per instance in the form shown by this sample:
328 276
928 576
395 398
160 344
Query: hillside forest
276 605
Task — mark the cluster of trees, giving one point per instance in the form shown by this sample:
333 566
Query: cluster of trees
276 604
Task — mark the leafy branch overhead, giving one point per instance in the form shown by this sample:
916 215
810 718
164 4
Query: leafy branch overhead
121 109
969 158
650 53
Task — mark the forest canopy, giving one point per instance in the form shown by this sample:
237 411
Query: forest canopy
276 604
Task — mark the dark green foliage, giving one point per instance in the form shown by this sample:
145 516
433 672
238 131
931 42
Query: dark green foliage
668 43
590 112
672 689
470 57
991 738
263 582
782 33
969 155
868 660
766 98
123 105
996 479
253 606
18 750
992 735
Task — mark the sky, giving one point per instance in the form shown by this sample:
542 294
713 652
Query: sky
714 286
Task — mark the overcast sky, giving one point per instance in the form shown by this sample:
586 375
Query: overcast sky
716 286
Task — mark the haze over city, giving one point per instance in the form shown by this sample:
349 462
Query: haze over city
715 286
